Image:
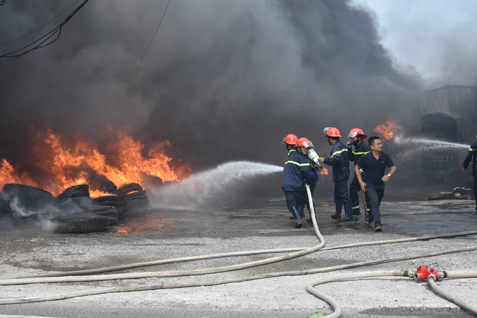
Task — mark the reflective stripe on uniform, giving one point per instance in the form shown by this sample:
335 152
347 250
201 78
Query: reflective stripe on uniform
470 149
356 207
298 164
339 151
360 153
290 152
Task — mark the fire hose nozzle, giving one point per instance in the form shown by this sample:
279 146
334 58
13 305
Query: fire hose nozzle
313 158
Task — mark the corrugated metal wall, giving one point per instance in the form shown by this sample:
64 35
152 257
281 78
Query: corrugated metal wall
459 102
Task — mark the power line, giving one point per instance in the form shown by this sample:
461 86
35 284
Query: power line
139 66
1 44
42 42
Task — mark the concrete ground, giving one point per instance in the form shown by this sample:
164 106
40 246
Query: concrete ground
159 233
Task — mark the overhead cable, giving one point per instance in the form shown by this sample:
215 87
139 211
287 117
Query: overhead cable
42 42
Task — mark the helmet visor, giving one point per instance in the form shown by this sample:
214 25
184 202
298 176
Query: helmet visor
306 144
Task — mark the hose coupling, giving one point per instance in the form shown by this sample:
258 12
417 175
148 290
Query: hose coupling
409 274
421 273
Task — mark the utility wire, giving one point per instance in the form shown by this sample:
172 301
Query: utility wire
42 42
164 13
1 44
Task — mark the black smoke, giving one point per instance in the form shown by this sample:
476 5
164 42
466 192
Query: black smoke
222 80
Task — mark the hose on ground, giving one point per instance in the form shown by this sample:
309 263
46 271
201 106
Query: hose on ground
300 252
244 253
459 302
337 308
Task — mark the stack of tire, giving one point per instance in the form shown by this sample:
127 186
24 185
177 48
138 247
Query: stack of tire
135 196
115 202
76 196
111 213
83 217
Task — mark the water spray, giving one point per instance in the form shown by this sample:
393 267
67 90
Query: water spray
429 143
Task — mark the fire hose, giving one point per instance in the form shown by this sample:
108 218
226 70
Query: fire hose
297 252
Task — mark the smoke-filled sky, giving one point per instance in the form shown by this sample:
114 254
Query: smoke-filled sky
222 80
437 38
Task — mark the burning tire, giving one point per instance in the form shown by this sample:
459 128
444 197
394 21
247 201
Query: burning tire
112 214
128 188
80 224
28 196
77 195
112 201
137 200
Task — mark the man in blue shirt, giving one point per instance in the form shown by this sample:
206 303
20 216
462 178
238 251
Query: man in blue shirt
471 155
373 178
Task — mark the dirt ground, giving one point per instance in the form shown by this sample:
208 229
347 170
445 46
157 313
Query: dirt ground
159 234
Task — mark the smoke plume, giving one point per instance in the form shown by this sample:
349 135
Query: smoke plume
221 80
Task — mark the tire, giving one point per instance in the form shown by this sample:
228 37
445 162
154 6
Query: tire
136 195
80 224
112 214
111 203
138 204
28 196
5 211
108 198
131 187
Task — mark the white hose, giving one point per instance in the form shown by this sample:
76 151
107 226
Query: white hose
459 302
298 252
337 308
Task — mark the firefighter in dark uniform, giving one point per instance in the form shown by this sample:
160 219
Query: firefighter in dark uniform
471 155
294 176
357 137
340 162
303 144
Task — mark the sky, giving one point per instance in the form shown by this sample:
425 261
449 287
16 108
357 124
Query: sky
437 38
226 80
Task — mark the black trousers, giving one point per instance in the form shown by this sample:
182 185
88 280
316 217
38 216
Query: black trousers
375 196
354 189
475 190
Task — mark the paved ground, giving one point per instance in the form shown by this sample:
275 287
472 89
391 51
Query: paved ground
163 234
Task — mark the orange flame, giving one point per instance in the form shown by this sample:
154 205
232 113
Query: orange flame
324 172
65 164
387 130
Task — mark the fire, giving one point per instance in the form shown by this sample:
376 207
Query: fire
387 130
324 172
65 164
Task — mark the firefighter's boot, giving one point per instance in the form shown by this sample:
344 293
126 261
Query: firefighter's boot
297 216
348 212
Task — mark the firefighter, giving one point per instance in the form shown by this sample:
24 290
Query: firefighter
303 144
340 162
471 155
357 137
294 175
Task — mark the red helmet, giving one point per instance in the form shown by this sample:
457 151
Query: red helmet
290 140
304 142
333 132
355 132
